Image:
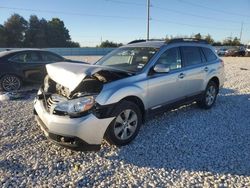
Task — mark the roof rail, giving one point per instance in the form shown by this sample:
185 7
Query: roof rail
137 41
202 41
143 40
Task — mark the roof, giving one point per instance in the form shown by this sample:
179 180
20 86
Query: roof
10 51
23 49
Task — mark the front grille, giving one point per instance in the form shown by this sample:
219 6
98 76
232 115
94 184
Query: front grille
50 102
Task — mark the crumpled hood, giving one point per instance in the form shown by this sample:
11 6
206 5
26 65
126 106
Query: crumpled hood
70 75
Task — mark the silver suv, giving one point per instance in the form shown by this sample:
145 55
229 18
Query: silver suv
78 105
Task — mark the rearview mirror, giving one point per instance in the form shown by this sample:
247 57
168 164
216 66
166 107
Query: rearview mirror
161 68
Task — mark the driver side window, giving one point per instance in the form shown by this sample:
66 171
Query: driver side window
171 58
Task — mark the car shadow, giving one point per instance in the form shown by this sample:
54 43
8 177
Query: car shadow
189 138
13 166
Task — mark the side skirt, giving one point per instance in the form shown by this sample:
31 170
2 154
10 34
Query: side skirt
150 113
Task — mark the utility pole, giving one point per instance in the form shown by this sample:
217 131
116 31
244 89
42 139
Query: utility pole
241 30
148 15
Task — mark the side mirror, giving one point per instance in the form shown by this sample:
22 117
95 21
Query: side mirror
161 68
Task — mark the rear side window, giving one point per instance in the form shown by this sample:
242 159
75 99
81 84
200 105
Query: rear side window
191 55
27 57
48 57
210 56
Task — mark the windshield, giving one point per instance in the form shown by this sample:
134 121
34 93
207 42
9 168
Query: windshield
131 59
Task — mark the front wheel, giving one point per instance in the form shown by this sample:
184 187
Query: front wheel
125 127
10 83
210 95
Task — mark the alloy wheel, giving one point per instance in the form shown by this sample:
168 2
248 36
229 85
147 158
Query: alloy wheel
125 124
210 95
10 83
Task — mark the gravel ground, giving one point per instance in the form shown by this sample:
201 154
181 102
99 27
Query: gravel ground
185 147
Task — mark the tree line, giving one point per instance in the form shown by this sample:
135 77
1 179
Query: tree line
35 33
229 41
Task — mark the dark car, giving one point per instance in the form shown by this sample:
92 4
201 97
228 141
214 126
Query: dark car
235 52
18 66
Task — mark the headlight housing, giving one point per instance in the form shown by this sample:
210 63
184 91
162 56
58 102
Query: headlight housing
77 106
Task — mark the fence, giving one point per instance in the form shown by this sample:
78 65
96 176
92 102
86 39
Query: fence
75 51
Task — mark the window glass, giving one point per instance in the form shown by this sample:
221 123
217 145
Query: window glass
28 57
210 56
46 56
132 59
171 58
192 55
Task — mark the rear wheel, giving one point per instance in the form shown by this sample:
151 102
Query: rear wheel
210 95
125 127
10 82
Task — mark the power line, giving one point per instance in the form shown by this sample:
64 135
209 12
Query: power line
126 3
191 25
107 16
213 9
176 11
71 13
195 15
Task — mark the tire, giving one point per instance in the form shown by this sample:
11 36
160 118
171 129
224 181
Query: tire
125 127
10 82
210 95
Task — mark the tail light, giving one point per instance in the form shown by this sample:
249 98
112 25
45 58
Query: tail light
222 62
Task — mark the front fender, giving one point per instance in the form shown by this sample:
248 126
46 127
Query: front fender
112 96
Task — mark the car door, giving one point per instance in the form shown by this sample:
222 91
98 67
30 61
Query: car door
165 88
29 64
194 69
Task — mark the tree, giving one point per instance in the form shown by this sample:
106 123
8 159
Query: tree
36 33
3 39
15 28
218 43
209 39
236 42
73 44
231 42
58 34
109 44
197 36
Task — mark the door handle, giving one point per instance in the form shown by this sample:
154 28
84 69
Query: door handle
181 75
206 69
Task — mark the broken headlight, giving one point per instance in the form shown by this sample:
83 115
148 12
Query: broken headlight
76 106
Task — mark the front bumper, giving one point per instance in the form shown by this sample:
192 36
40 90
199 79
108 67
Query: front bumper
83 133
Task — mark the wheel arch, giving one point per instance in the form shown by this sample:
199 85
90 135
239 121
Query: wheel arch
20 77
136 100
216 80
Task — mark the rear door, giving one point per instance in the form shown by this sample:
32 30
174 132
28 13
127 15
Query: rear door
194 69
30 65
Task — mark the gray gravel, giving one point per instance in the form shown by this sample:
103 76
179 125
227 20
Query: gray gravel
181 148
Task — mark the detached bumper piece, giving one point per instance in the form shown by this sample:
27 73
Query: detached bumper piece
69 142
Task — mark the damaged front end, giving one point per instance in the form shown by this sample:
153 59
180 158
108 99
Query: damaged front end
60 98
